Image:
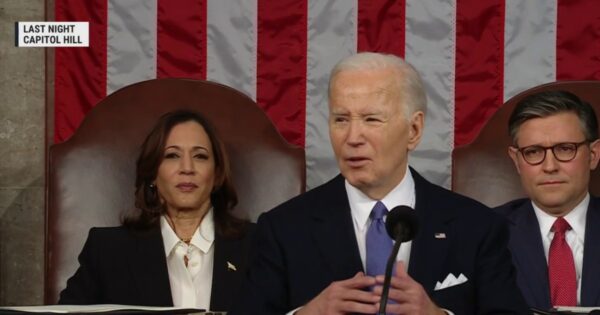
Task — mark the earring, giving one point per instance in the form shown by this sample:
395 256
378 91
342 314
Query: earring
152 186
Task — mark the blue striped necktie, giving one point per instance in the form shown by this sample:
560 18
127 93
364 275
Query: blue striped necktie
378 242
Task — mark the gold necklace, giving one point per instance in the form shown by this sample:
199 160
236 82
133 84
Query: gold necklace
185 240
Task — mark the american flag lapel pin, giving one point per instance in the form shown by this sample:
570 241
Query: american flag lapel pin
231 267
439 235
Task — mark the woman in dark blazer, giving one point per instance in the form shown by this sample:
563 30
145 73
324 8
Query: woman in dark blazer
181 247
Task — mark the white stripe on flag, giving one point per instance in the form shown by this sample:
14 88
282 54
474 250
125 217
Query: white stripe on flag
332 27
231 44
131 43
530 45
430 42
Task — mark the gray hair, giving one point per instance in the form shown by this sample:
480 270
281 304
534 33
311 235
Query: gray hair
550 103
408 80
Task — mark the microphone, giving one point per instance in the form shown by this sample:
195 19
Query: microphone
401 224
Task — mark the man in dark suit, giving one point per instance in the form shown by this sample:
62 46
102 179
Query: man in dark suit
315 254
555 147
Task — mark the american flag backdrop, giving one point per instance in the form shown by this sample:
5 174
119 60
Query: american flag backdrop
472 54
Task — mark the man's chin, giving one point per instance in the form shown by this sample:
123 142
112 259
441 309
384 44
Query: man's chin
554 207
359 182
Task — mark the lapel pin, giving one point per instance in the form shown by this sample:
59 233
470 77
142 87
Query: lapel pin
231 267
439 235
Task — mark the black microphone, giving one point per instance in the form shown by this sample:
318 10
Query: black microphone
401 224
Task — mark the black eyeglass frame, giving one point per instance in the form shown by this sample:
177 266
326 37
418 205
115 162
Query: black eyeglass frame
552 148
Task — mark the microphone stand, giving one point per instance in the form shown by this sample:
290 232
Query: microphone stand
388 274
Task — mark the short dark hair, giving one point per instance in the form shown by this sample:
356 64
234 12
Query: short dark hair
148 206
544 104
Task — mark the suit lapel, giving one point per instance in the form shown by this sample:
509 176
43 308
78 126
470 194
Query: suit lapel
149 268
434 236
590 283
528 253
333 232
228 258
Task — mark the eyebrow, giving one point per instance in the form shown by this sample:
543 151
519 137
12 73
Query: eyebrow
198 147
365 112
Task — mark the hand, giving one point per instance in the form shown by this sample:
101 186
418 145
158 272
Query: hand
346 296
408 294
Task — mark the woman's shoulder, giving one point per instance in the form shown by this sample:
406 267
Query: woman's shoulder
248 230
118 235
108 231
241 231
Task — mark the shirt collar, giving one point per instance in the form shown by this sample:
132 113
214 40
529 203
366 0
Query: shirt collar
203 236
575 218
361 205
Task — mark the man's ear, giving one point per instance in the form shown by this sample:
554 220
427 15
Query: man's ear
594 154
415 129
514 156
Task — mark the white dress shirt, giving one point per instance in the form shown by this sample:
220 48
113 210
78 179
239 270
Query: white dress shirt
191 285
361 206
575 237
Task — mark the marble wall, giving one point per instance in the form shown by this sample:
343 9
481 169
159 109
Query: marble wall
22 158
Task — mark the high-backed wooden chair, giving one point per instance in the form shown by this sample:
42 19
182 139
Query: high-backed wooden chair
483 169
91 176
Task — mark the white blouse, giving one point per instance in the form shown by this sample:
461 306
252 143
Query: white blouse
191 284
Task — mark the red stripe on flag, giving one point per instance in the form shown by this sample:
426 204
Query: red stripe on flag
181 39
281 65
578 40
80 73
479 65
381 26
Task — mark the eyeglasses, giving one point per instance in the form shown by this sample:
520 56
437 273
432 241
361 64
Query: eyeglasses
563 152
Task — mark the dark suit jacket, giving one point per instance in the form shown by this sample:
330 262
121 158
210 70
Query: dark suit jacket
308 242
529 258
120 266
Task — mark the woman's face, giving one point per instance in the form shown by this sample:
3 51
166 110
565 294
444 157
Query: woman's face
186 176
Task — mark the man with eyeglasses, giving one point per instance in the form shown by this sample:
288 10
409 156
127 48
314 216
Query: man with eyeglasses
554 233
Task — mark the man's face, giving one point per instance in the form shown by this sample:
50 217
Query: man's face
370 133
556 187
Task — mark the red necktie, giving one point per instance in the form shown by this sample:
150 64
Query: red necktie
561 267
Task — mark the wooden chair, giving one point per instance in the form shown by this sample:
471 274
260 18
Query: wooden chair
91 176
482 169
